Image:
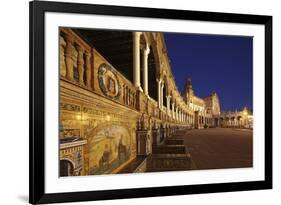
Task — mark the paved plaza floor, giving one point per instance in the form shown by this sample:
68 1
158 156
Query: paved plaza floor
216 148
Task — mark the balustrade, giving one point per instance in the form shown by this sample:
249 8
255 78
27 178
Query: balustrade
75 59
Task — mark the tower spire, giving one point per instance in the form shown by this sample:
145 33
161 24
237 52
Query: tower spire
188 82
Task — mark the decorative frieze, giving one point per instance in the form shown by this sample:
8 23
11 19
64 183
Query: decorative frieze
70 107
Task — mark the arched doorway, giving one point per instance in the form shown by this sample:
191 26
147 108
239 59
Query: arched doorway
162 132
239 120
66 168
221 122
152 84
216 122
232 121
227 121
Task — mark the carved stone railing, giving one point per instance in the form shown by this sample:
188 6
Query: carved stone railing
75 59
129 92
77 65
128 95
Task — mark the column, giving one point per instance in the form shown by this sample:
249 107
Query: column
93 75
159 92
88 69
168 104
62 57
136 58
145 69
80 63
68 57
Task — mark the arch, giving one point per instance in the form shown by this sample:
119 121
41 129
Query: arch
152 74
66 167
239 120
145 43
216 122
156 57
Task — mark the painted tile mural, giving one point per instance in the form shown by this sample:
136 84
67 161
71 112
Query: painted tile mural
108 149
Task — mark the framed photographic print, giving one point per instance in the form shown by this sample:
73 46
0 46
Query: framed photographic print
140 102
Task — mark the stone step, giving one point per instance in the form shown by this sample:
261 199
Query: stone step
172 141
133 165
168 149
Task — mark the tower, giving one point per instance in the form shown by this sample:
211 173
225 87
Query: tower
188 92
215 104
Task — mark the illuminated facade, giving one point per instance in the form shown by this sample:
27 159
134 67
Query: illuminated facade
119 102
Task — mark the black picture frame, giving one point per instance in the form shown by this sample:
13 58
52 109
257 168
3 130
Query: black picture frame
37 101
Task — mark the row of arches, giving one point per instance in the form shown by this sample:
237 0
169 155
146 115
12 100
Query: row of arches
229 121
145 53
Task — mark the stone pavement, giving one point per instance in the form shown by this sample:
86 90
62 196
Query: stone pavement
216 148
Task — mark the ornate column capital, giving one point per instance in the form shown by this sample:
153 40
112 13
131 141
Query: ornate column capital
145 48
159 80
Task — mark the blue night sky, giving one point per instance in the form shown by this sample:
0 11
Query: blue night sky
214 63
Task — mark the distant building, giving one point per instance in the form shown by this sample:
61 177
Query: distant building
207 111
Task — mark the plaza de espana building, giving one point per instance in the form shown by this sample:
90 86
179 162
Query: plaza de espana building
119 105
